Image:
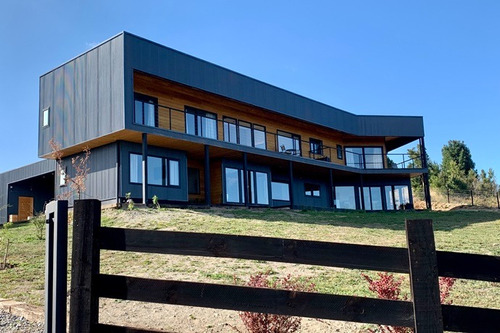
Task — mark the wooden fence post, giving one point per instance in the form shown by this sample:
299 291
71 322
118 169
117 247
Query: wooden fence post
84 303
424 280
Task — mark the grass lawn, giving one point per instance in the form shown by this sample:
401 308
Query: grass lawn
459 230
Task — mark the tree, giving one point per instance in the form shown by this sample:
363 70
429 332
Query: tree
79 163
457 169
486 182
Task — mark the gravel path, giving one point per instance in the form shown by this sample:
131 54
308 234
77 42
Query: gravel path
10 323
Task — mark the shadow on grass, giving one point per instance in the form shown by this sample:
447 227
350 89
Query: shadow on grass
442 220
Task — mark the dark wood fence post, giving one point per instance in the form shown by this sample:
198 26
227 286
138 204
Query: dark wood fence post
424 280
471 198
84 303
498 201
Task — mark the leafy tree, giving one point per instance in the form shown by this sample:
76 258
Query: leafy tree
457 169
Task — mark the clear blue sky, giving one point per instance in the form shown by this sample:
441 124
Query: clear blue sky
436 59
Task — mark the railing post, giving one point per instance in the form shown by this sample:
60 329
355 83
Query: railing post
84 303
56 265
424 280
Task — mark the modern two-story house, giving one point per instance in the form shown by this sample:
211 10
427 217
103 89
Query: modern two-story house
161 122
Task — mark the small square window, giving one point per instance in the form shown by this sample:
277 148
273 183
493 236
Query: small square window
45 117
339 152
312 190
63 176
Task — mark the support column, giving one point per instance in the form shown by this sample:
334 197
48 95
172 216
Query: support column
332 192
208 192
144 168
425 176
245 180
290 187
361 190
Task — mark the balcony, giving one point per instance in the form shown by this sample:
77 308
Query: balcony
206 124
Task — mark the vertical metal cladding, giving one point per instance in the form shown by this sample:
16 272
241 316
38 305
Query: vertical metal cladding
85 96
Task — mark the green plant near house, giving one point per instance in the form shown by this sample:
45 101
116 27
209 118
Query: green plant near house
130 201
156 204
39 223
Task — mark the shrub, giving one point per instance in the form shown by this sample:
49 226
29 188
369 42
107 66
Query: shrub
39 223
272 323
130 201
156 204
387 287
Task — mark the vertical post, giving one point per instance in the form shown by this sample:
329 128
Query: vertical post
56 265
425 176
332 193
472 198
290 187
424 281
84 302
448 193
208 199
144 168
245 180
362 191
498 201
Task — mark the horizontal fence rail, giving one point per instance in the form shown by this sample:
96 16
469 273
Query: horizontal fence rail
354 256
423 313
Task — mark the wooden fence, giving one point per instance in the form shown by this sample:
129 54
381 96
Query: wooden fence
421 261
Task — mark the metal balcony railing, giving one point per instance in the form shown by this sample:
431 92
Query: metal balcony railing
175 120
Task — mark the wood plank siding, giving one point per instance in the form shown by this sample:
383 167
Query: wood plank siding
176 97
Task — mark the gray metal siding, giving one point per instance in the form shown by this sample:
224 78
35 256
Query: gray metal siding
85 96
25 172
101 180
158 60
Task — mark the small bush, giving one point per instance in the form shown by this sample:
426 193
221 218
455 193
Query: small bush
387 287
130 201
271 323
39 223
156 204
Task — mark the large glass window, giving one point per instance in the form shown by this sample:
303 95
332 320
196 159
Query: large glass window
315 146
230 130
280 191
201 123
259 136
389 198
245 133
372 198
161 171
233 184
345 197
145 110
259 191
401 196
364 157
289 143
173 173
135 168
354 157
155 173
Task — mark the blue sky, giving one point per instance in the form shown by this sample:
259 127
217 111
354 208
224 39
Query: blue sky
436 59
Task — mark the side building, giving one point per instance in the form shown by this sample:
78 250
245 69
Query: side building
161 122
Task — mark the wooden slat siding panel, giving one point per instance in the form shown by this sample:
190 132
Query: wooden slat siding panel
424 282
468 319
216 182
84 301
178 96
256 248
469 266
314 305
106 328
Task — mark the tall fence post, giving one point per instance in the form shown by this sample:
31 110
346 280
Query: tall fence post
498 201
56 265
84 303
471 198
424 281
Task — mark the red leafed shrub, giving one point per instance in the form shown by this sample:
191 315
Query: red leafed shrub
272 323
387 287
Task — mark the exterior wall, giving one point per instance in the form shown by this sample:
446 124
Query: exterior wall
85 97
164 193
160 61
21 174
101 180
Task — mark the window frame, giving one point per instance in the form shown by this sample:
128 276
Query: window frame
199 114
316 146
165 170
46 117
363 156
312 188
142 98
294 137
340 152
